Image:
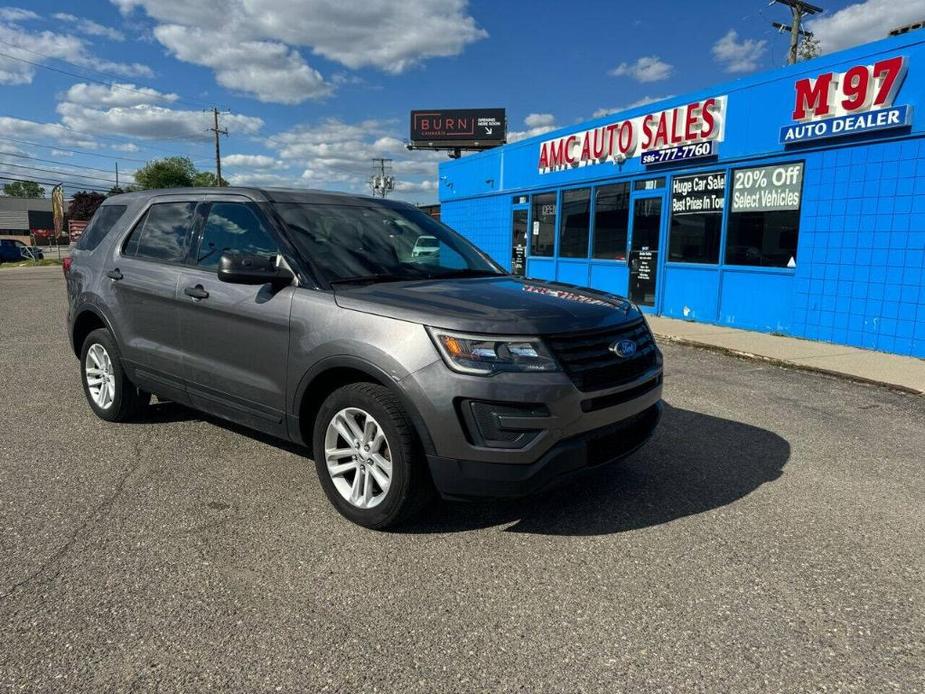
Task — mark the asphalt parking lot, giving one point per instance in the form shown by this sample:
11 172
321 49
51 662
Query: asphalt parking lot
770 538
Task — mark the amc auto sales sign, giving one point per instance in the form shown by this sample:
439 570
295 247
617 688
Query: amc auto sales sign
684 132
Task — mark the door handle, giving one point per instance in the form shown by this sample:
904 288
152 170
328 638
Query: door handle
196 292
115 274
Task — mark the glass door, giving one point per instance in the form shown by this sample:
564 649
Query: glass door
644 239
519 243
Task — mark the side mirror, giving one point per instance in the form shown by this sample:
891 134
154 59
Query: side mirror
241 268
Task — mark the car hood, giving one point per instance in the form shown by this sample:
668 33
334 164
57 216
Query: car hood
503 305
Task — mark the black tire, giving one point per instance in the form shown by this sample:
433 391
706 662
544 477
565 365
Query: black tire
410 488
127 400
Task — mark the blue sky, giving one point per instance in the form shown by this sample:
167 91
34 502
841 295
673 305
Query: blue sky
316 88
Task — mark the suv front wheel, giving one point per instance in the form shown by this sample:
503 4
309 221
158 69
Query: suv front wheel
367 456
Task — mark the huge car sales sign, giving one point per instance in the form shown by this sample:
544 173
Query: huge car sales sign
859 100
683 132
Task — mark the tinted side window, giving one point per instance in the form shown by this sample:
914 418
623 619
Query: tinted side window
100 225
233 226
163 233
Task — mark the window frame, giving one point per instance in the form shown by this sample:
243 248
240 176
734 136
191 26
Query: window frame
629 184
727 215
554 255
723 216
201 216
561 217
142 219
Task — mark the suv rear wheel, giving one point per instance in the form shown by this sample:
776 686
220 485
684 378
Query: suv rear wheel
109 392
368 457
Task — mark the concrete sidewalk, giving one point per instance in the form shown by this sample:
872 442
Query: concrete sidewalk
904 373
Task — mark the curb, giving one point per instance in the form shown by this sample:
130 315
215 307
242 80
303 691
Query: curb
786 364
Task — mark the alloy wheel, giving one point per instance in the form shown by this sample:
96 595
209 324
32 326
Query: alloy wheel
101 381
358 457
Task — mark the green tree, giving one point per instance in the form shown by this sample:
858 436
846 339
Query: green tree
84 204
115 190
207 179
170 172
24 189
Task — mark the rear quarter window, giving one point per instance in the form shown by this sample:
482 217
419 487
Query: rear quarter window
100 226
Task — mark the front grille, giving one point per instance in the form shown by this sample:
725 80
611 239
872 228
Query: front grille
587 359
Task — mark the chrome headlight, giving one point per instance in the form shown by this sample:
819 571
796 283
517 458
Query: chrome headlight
486 355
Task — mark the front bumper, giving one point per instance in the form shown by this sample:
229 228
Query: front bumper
468 479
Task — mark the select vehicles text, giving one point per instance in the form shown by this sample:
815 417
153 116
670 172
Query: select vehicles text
767 188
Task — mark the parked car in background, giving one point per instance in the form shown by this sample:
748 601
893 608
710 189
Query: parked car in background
309 316
425 246
14 251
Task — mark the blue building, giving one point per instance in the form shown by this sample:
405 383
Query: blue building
791 201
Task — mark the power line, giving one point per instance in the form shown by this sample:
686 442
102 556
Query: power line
56 179
108 83
75 151
124 140
51 161
67 185
58 171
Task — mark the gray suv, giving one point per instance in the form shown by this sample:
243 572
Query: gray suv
313 317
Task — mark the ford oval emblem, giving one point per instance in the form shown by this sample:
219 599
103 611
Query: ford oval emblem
623 348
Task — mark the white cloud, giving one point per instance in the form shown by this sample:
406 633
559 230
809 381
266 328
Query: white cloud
649 68
17 14
61 153
863 22
151 122
332 154
123 109
127 147
37 47
263 180
255 161
33 130
539 120
89 27
644 101
268 70
118 94
537 124
739 56
253 45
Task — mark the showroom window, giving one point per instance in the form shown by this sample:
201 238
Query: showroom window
611 221
576 223
697 204
764 218
543 236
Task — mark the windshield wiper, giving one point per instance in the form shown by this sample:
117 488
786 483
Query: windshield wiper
372 279
467 272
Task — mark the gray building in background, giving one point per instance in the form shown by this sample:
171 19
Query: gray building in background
23 217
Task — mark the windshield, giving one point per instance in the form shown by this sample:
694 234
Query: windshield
379 243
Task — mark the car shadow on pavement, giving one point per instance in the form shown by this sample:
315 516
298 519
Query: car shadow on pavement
694 463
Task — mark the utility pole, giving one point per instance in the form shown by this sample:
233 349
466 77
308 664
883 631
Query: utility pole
798 9
218 151
117 174
382 182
